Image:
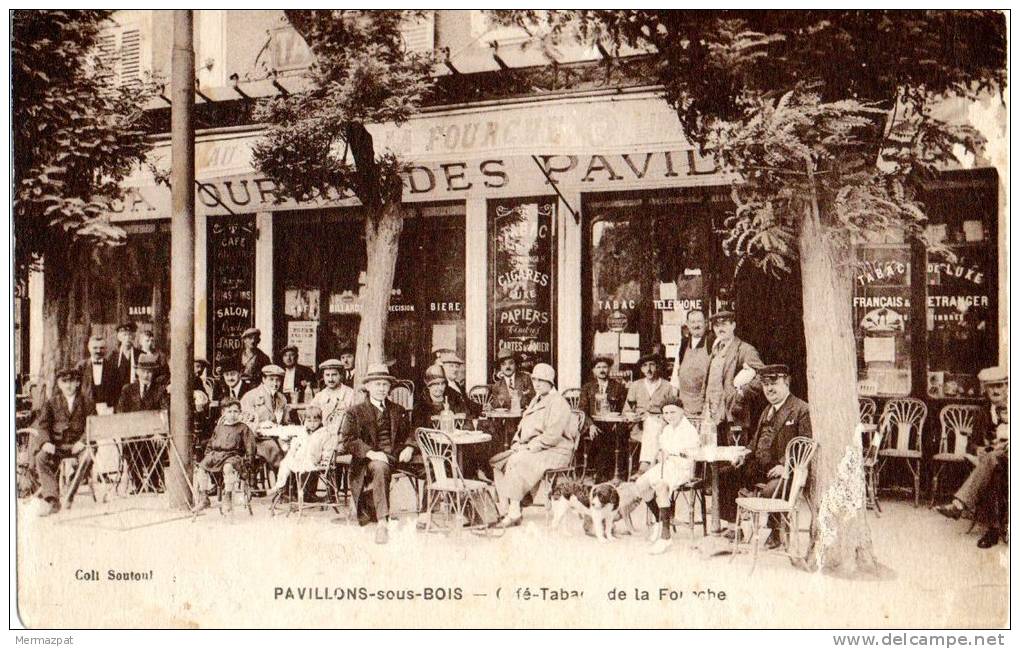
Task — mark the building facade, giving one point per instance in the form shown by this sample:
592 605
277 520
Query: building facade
556 224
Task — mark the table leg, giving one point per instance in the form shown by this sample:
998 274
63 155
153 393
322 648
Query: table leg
616 452
716 527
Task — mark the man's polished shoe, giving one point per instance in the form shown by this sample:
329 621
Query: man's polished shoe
952 510
382 535
990 539
773 541
507 521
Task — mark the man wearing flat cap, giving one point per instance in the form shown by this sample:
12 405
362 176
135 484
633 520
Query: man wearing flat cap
374 432
252 358
335 398
265 407
982 494
601 392
125 357
510 380
60 429
296 377
731 381
785 418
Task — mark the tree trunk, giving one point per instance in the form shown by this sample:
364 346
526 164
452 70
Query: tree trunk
382 239
61 340
841 539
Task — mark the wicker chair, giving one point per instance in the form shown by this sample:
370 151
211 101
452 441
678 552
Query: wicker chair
573 397
446 488
902 426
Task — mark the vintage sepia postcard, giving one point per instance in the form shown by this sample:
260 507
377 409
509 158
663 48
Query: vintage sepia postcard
560 318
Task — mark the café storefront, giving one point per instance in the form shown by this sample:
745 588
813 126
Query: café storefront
562 228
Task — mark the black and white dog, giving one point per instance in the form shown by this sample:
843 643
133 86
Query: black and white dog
597 505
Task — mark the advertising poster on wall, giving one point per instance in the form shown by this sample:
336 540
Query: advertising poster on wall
231 262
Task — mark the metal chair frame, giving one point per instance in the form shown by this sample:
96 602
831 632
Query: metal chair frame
480 395
446 487
909 414
402 394
871 472
572 470
956 420
573 397
799 453
330 472
867 409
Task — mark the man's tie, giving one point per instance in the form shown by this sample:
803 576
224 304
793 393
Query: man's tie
510 382
141 391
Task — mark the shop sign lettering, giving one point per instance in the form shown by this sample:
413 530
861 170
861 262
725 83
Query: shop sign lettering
231 249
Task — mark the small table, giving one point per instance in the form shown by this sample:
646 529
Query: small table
714 457
506 420
616 422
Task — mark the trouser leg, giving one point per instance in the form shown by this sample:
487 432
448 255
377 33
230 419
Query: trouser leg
379 477
47 468
970 492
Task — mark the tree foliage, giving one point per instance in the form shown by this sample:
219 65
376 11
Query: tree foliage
836 107
316 142
76 135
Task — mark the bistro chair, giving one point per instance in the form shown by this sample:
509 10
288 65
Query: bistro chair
446 488
573 397
867 410
480 395
957 424
576 470
327 472
871 472
784 503
902 426
402 394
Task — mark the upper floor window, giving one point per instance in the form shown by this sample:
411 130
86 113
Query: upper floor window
120 51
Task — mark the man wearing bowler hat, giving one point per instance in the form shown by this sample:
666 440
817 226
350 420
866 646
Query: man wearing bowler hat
232 384
456 392
510 380
601 392
145 393
786 417
981 494
252 358
60 429
375 433
731 381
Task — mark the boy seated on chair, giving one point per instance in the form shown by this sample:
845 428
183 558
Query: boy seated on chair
667 457
231 442
307 452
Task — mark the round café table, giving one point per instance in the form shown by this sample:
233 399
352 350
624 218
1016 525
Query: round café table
716 457
505 423
618 425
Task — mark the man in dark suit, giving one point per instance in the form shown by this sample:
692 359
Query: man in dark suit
375 433
144 394
296 377
983 492
232 383
60 428
509 381
347 366
456 391
601 392
125 358
98 378
785 418
731 381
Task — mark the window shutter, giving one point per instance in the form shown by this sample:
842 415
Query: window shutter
120 51
420 34
130 73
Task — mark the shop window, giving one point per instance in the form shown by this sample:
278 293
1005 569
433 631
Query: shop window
882 319
648 261
522 245
961 303
320 267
